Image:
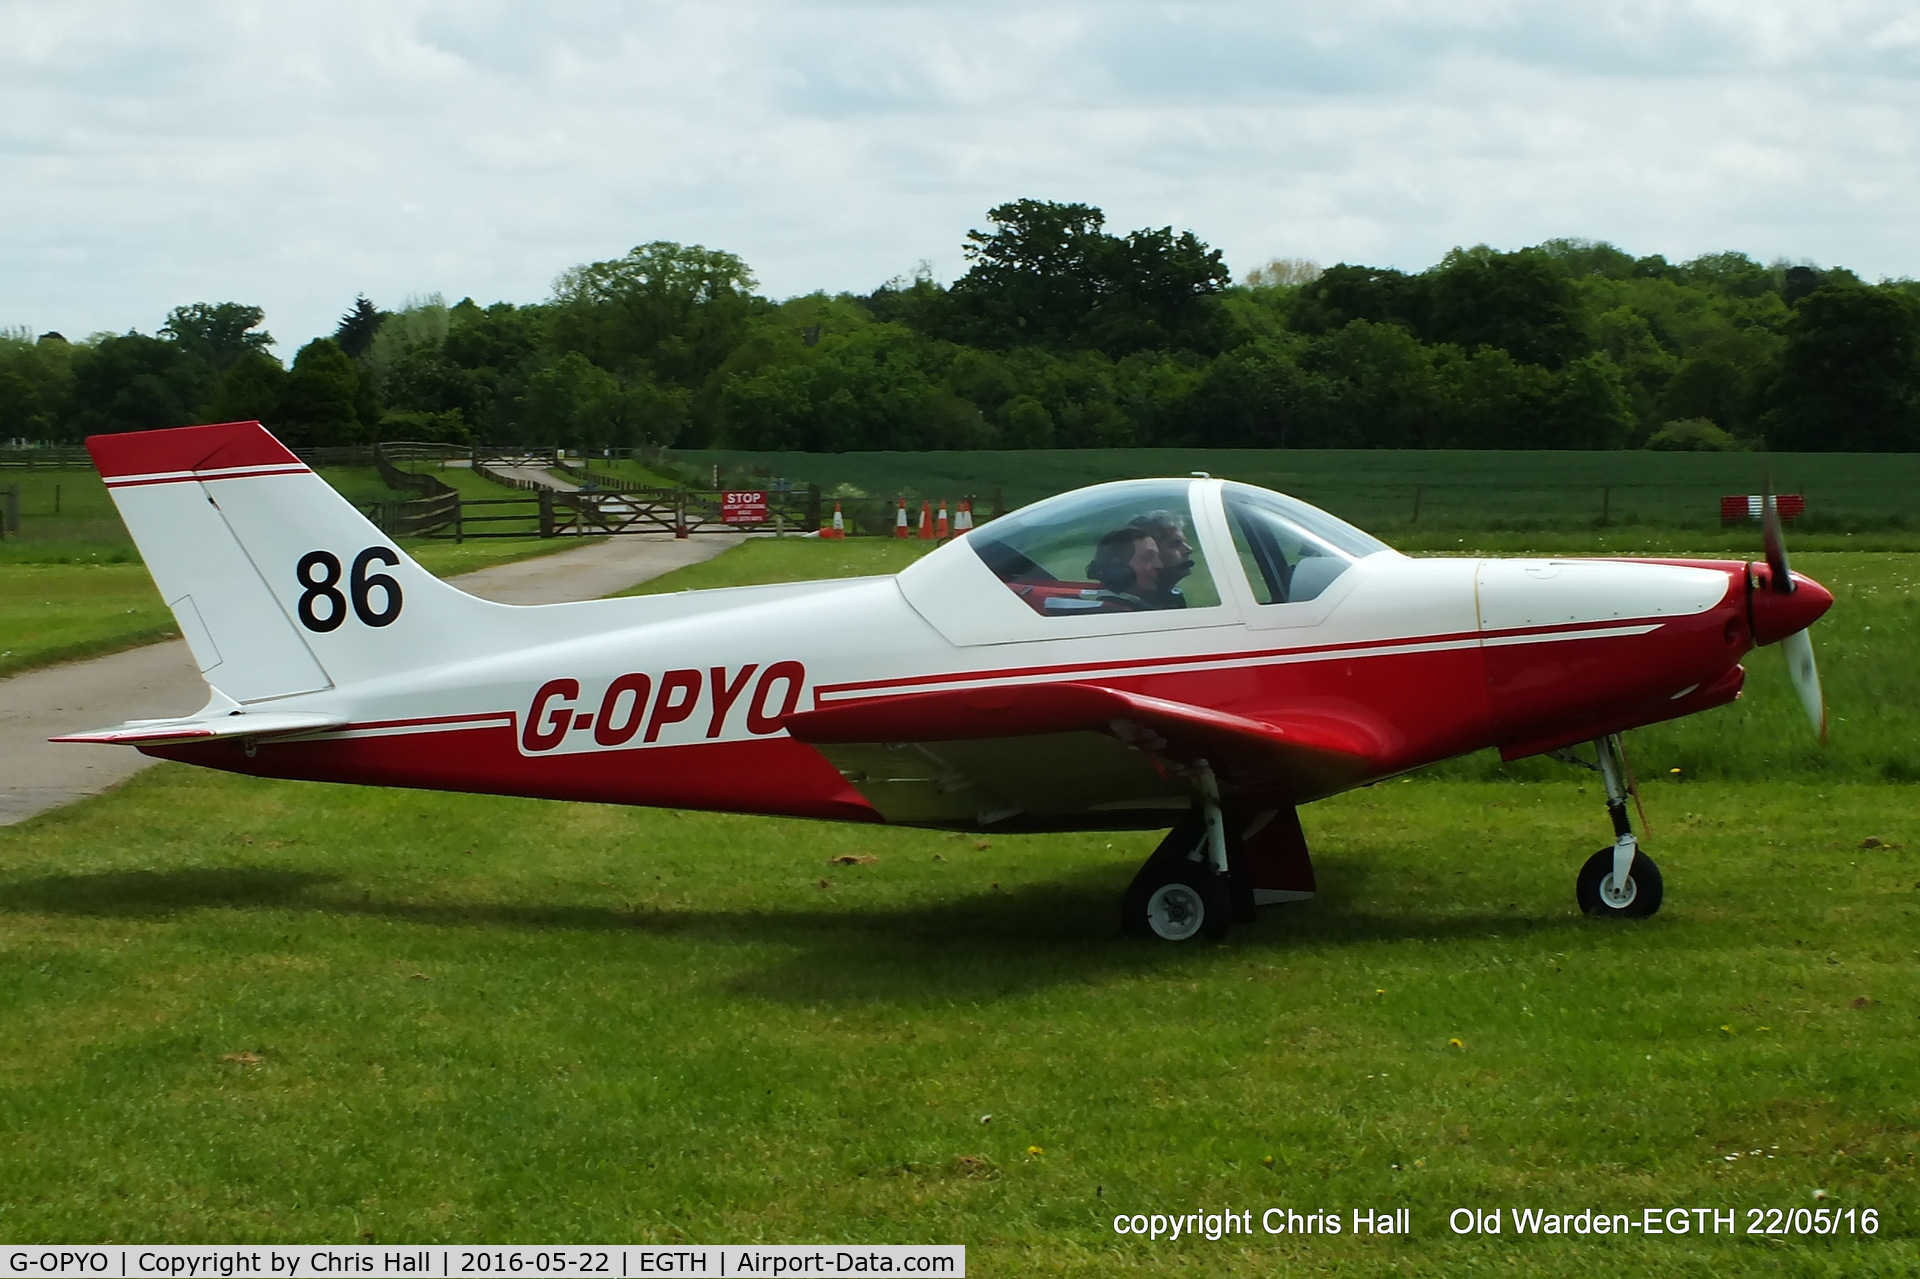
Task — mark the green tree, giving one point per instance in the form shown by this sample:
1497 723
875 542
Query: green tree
678 310
1049 273
137 383
1523 303
36 386
217 333
1849 377
250 390
324 401
579 404
358 327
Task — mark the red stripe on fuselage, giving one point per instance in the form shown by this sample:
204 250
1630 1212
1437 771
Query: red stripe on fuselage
777 776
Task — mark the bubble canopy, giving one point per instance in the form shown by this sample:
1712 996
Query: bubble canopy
1132 547
1136 555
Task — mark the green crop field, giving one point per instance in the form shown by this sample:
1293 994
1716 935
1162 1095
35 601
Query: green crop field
250 1010
1873 496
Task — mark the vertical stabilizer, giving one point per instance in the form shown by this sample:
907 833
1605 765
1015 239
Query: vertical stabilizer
280 586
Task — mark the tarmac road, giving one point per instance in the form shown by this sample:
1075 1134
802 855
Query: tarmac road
161 680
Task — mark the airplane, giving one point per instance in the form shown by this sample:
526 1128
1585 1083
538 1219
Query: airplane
1194 654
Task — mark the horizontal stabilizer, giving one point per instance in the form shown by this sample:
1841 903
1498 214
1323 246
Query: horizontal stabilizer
154 732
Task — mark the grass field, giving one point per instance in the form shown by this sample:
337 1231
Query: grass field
72 585
249 1010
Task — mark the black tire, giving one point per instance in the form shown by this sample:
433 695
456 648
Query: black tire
1643 882
1176 903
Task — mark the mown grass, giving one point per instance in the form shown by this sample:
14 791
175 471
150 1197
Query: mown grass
253 1010
59 612
242 1010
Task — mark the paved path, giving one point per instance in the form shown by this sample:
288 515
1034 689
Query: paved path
536 475
160 680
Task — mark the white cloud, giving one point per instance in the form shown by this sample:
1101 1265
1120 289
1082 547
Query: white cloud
292 154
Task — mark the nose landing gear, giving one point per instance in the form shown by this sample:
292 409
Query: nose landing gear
1620 882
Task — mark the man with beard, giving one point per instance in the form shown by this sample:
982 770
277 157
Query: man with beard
1168 529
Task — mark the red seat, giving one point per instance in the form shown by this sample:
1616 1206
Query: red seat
1036 594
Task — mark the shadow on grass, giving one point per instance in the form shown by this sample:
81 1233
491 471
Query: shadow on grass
980 945
154 893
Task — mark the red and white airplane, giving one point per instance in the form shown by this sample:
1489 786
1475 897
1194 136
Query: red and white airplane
1185 653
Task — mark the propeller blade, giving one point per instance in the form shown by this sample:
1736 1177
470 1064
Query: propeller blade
1798 648
1775 541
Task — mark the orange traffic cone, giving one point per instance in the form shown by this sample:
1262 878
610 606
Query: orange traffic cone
926 521
900 520
940 531
963 519
839 528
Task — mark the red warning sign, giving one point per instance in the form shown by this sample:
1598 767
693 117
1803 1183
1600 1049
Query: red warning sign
743 508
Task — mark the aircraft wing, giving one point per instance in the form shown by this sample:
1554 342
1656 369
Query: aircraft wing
1041 753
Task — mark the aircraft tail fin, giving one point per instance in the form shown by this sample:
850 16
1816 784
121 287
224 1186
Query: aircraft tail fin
280 586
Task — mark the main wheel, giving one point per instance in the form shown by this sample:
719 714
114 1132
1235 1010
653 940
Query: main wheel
1598 895
1179 903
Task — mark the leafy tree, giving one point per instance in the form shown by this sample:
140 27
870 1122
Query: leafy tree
1523 303
250 390
36 386
137 383
1049 274
677 310
579 404
358 327
1259 395
421 324
876 387
432 428
217 333
1345 292
325 401
1849 377
1283 273
1693 435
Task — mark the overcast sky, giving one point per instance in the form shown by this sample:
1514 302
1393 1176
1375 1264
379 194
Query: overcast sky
291 155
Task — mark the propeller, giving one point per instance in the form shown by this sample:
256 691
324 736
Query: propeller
1795 644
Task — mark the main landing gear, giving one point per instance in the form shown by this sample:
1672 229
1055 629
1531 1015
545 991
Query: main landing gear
1215 869
1619 882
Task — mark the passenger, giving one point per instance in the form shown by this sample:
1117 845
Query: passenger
1169 532
1126 563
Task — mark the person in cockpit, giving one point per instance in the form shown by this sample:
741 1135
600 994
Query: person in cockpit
1126 563
1169 533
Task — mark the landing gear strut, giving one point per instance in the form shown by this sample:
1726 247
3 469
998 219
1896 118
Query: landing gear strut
1179 893
1619 882
1217 867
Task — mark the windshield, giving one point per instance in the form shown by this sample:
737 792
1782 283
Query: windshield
1289 550
1119 548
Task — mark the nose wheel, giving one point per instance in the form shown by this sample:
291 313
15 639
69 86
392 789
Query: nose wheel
1619 882
1600 890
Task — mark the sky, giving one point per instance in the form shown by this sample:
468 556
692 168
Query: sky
292 155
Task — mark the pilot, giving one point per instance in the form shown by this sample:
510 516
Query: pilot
1126 563
1169 532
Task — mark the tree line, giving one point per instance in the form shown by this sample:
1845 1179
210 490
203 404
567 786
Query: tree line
1060 333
